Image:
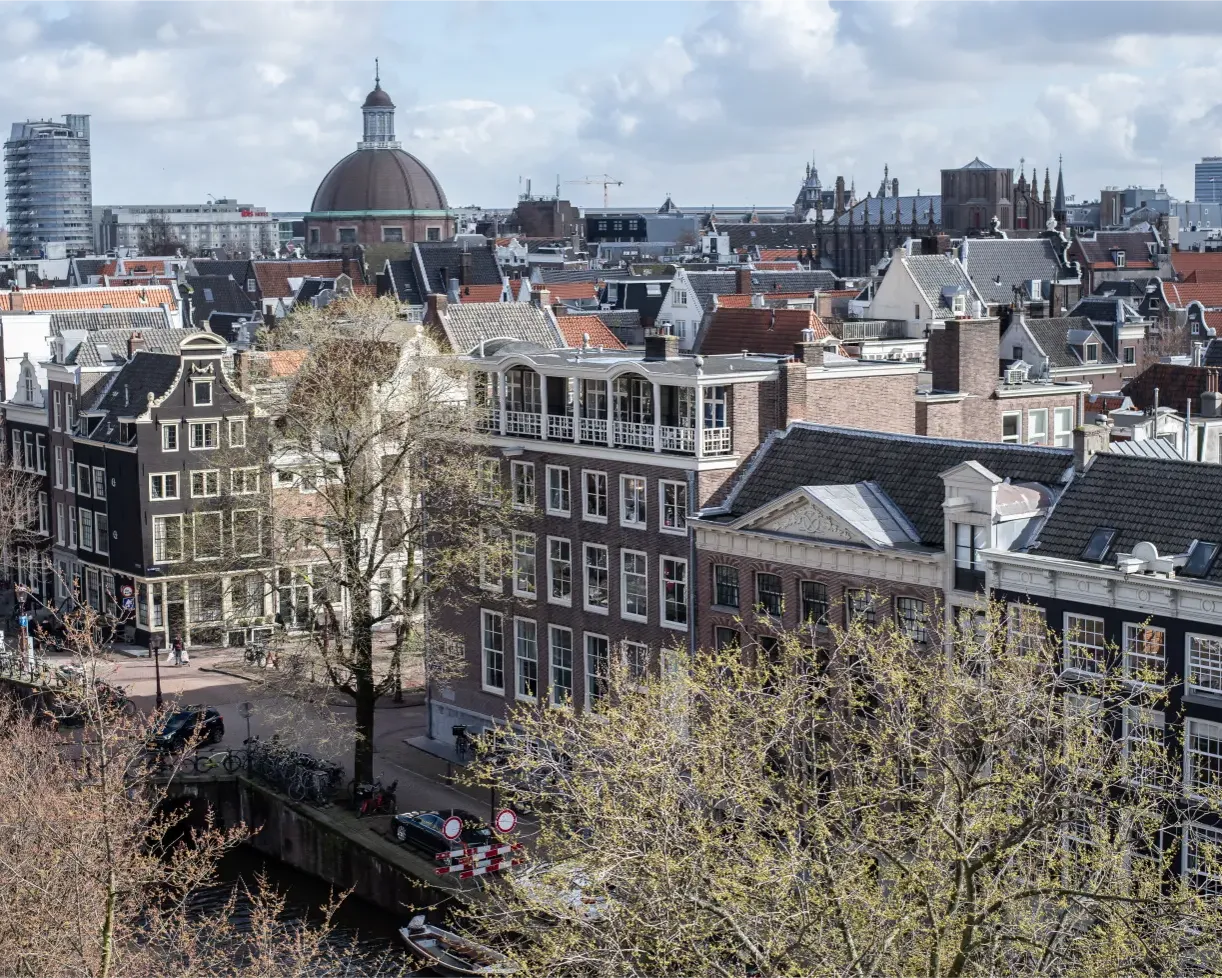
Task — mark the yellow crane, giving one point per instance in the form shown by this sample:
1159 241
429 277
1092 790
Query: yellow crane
602 179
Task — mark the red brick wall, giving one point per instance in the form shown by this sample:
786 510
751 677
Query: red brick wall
882 403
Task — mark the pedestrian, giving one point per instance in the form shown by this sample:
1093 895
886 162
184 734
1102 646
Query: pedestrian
177 657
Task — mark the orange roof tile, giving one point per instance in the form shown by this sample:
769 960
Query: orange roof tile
1185 262
742 300
1204 276
284 363
480 293
760 330
1179 294
778 266
779 254
91 297
574 328
572 290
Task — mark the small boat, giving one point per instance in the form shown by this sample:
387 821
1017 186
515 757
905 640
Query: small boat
456 955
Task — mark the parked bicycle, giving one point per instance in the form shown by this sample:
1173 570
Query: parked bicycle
256 654
464 743
299 775
230 760
374 798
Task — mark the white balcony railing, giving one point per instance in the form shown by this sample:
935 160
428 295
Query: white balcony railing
633 434
560 427
523 423
490 420
594 430
716 441
679 440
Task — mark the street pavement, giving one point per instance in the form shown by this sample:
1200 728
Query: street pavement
312 727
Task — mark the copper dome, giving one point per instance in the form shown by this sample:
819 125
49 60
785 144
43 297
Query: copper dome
377 97
379 180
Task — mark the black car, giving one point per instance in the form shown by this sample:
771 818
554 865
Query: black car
180 728
423 830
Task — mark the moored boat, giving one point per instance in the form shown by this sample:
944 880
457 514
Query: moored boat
452 952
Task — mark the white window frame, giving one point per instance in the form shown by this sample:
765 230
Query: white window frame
165 521
58 416
589 675
585 495
522 475
203 427
101 533
635 657
520 554
86 537
220 533
163 476
1207 730
99 482
1033 435
72 527
1212 646
663 580
247 473
1017 439
233 529
640 558
169 433
204 473
1072 640
664 507
559 478
520 629
586 550
1062 434
238 426
554 668
84 479
633 501
485 616
553 562
44 514
71 469
1204 881
1139 718
1134 656
196 386
59 467
59 524
486 582
488 476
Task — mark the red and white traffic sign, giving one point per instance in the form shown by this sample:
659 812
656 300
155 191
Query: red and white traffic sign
127 591
480 851
451 828
506 821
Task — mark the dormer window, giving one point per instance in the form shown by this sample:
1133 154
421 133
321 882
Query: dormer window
29 387
202 391
1092 352
960 305
1118 258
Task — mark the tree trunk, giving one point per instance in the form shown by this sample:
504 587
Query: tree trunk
363 680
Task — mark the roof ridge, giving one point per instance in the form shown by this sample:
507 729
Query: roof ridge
926 439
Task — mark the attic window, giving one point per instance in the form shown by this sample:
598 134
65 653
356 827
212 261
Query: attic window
1099 544
202 390
1092 352
1200 558
208 295
653 288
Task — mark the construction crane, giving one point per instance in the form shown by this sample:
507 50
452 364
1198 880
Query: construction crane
602 179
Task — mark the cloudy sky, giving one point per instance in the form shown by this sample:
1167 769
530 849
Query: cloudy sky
714 103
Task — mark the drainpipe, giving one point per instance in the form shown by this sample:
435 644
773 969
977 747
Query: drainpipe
692 483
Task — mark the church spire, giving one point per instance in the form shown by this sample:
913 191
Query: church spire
1058 205
1047 187
379 114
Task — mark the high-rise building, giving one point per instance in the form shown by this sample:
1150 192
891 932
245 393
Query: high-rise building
1208 188
48 187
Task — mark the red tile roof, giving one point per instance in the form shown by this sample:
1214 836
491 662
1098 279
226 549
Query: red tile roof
1185 262
1179 294
778 266
1204 275
573 329
570 290
1175 384
89 297
779 254
273 276
480 293
742 300
759 330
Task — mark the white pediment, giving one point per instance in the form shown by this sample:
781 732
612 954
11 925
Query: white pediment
805 518
858 514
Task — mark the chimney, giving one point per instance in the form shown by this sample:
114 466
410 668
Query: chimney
345 265
453 293
541 297
435 307
1198 354
467 269
661 348
1088 441
742 281
808 350
1211 404
135 342
757 300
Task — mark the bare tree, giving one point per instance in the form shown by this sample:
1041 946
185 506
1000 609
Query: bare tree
882 803
377 498
157 238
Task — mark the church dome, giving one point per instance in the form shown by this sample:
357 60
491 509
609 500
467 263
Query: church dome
379 180
378 97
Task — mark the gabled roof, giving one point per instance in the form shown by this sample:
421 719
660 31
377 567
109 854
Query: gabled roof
89 297
707 284
1059 336
142 319
1097 248
439 261
938 277
997 265
126 396
481 293
907 468
780 254
92 350
867 211
240 270
575 328
401 273
467 325
757 330
571 290
781 235
217 293
550 276
1179 294
273 276
742 300
1168 503
1185 262
976 164
1176 383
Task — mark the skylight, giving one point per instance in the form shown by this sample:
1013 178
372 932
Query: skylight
1100 543
1200 558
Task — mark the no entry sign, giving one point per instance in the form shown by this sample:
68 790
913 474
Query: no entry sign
506 821
451 828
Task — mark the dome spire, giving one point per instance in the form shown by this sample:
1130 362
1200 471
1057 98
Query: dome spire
377 75
379 113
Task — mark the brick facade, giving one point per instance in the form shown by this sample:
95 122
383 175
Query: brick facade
881 403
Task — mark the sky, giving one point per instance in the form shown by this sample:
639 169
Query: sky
713 103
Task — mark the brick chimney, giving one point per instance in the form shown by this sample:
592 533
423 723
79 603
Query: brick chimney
742 281
435 307
792 383
135 342
962 356
541 297
467 269
663 347
1088 441
345 265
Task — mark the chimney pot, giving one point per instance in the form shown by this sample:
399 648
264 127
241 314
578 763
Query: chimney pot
661 347
135 342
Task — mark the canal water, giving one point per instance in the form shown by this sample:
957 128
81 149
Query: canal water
367 935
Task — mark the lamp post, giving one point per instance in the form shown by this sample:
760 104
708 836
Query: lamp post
156 666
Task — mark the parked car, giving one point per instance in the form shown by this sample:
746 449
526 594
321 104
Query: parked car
182 727
422 830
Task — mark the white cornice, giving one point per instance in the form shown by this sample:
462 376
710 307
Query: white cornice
625 456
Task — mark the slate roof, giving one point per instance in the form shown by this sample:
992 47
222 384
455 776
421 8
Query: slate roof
933 273
465 326
1103 309
780 235
906 467
867 211
707 284
217 293
765 330
620 318
550 276
575 328
273 276
434 258
1129 288
1053 337
87 353
145 319
1097 248
240 270
127 395
86 268
997 265
1167 502
401 276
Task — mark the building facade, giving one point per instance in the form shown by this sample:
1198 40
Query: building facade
49 188
222 224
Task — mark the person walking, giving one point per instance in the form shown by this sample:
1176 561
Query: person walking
176 658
